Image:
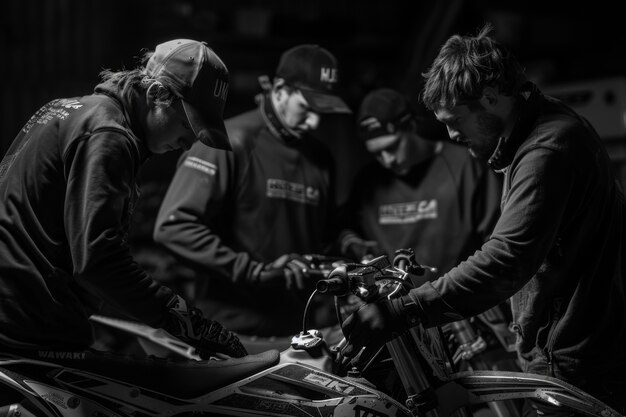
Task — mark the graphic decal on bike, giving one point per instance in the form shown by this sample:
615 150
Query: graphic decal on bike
329 383
319 379
50 354
277 407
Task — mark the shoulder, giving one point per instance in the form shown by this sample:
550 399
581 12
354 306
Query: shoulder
243 128
98 122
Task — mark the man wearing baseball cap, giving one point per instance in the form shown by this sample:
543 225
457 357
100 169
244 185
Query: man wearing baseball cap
243 218
68 183
420 192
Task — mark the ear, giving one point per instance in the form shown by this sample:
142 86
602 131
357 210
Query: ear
279 85
490 97
152 93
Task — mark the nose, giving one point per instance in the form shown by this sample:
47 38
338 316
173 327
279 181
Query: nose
312 120
387 158
454 134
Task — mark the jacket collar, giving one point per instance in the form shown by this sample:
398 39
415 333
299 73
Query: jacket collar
530 99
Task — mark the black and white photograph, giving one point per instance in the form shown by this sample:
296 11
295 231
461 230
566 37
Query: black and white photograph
313 208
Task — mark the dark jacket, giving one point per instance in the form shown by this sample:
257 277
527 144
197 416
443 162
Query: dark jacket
557 249
444 208
67 191
226 212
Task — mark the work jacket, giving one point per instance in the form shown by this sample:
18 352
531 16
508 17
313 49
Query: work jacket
557 249
67 192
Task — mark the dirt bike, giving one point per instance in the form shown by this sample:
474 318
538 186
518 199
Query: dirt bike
425 365
124 386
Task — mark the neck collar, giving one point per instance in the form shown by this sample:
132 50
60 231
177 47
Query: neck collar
273 122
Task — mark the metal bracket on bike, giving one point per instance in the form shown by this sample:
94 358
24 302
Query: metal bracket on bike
310 339
422 402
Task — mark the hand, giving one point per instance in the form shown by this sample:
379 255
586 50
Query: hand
290 269
206 335
371 326
359 249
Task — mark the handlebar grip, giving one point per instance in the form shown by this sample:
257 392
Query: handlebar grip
336 283
336 286
272 274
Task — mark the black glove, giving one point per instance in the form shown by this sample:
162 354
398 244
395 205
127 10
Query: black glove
289 270
358 248
374 324
207 336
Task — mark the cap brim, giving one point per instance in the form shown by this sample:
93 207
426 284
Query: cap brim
376 144
325 103
209 131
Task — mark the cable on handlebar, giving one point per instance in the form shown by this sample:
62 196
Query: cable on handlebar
306 310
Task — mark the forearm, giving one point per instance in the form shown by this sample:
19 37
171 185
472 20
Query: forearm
200 248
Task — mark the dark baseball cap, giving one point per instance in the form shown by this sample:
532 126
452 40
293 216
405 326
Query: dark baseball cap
200 78
313 70
383 112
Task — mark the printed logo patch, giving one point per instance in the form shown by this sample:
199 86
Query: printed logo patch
328 75
292 191
200 165
55 109
411 212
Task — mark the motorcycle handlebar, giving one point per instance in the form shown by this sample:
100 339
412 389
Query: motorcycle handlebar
336 283
278 274
331 285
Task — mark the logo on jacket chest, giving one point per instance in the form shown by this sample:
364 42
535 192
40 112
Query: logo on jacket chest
292 191
410 212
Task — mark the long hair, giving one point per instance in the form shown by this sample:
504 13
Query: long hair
138 78
465 65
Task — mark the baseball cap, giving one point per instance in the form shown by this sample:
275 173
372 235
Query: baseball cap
313 70
200 78
381 115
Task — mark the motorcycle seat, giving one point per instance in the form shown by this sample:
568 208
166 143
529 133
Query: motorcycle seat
184 379
187 379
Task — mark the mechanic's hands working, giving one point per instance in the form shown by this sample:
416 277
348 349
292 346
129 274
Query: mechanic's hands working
290 269
371 326
360 249
207 336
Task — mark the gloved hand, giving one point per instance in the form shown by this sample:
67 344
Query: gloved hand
207 336
289 270
358 248
374 324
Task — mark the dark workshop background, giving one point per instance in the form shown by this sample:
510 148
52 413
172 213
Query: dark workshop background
56 48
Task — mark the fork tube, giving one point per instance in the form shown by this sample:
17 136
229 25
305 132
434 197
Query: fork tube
413 377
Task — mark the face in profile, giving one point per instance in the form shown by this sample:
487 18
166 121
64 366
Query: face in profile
478 129
167 128
295 112
392 152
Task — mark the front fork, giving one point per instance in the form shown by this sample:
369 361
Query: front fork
424 399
